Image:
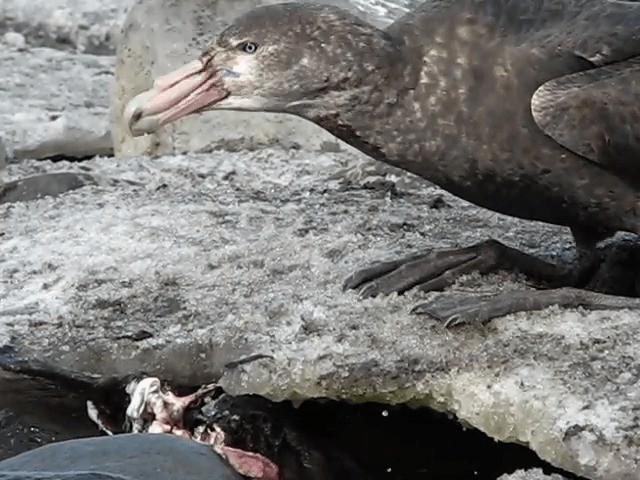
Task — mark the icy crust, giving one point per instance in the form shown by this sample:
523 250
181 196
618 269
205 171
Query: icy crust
209 260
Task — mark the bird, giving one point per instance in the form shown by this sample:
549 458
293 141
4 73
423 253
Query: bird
530 109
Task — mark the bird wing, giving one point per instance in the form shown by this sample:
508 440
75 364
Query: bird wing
596 114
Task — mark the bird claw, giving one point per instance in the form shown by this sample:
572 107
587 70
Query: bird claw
454 310
427 271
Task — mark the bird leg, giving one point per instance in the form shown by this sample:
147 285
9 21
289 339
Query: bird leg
453 310
437 270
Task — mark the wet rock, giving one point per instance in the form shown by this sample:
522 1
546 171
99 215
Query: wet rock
91 26
122 457
36 412
53 104
45 185
233 263
19 436
160 36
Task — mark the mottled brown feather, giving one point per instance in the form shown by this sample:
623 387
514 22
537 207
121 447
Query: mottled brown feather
596 114
446 91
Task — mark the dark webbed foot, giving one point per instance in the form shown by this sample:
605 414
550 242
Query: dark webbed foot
440 269
455 310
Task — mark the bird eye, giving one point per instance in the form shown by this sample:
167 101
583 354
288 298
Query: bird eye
249 47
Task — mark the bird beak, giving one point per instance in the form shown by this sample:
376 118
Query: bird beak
189 89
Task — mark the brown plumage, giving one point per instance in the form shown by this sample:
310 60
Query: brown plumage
529 108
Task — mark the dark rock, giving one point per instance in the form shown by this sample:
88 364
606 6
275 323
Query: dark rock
123 457
46 185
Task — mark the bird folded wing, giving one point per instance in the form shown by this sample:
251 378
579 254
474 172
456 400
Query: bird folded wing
596 114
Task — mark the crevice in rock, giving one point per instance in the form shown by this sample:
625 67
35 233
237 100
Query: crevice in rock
417 443
73 159
375 440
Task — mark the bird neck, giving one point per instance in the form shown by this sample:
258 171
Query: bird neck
350 113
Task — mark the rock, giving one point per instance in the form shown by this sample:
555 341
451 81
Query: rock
18 436
35 413
535 474
45 185
89 26
80 135
228 255
120 457
312 440
22 432
14 40
159 36
3 155
60 476
53 104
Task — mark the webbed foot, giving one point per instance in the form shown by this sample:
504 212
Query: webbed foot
455 310
439 269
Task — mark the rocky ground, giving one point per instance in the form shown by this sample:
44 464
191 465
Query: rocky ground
231 246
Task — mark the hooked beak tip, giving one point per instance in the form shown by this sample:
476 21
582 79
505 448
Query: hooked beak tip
134 117
187 90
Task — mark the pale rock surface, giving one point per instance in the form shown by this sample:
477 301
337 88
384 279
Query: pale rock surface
161 35
15 40
92 26
54 104
535 474
230 255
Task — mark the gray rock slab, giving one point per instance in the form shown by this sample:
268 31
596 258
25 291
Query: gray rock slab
54 104
91 26
228 255
3 155
161 35
120 457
